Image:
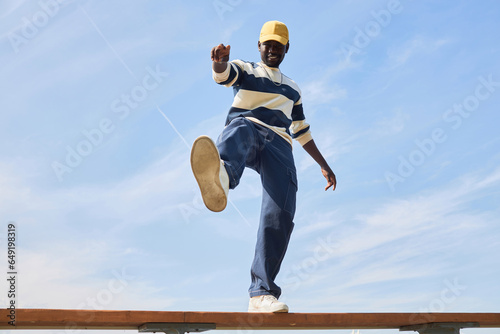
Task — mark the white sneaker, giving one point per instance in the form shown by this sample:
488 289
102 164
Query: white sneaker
266 303
210 173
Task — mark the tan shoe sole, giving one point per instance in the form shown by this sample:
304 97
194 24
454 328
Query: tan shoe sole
206 164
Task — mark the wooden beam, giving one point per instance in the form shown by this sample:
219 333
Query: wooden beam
90 319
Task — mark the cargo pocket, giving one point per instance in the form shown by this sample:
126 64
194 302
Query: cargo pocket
291 193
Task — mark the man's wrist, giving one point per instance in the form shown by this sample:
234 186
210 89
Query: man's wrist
223 60
220 68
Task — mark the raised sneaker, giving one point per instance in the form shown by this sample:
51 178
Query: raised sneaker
210 173
266 303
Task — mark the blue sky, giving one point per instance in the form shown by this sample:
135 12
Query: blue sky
102 100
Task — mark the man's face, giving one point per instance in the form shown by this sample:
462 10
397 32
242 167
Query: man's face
272 53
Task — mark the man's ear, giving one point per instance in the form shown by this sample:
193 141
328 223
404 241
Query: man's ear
258 45
287 47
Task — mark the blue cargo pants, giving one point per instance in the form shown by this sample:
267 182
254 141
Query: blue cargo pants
244 143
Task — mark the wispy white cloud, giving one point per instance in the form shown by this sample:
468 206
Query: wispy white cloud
80 275
392 125
320 90
401 54
333 140
9 6
415 238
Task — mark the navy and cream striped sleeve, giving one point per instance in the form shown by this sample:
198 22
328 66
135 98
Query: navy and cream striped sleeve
231 76
299 129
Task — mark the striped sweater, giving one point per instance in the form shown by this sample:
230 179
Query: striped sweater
265 96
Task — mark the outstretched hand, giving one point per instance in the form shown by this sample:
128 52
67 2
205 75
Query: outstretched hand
330 178
220 53
313 151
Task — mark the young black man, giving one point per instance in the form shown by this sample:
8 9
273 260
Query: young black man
265 115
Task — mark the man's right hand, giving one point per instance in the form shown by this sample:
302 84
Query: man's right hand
220 53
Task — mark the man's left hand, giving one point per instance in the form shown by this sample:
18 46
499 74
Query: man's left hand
330 178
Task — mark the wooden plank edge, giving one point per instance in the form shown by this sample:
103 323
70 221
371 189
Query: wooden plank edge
79 319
